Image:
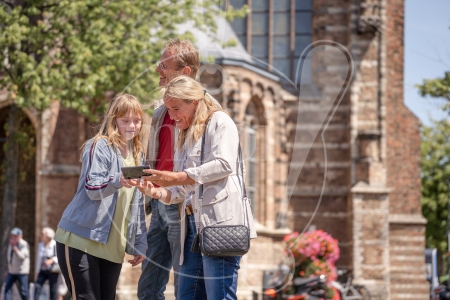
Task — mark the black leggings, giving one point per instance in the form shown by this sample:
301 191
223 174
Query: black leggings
88 277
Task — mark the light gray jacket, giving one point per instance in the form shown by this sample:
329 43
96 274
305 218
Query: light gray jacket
220 175
19 262
91 211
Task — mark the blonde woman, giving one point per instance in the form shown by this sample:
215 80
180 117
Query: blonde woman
194 111
104 220
45 257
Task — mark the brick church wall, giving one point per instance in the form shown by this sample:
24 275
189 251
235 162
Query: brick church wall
403 135
407 238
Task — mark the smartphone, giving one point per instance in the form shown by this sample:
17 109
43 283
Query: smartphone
134 172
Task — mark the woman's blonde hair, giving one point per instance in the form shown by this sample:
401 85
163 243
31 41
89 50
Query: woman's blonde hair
48 232
189 90
120 106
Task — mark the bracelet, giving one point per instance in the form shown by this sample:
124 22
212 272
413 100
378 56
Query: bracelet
160 194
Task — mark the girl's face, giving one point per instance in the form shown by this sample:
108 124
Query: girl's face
129 125
181 112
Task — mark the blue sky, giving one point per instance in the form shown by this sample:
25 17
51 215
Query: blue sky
427 52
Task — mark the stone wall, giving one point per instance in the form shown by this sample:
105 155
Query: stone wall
407 232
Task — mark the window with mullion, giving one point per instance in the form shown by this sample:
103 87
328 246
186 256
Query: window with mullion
251 167
283 57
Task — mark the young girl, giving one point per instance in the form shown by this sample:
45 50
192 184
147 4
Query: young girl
104 220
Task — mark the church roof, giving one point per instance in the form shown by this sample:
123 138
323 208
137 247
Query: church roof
233 55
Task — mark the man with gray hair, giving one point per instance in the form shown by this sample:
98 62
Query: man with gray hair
18 256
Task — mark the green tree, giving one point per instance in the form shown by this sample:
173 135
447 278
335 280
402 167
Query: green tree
435 149
437 88
76 51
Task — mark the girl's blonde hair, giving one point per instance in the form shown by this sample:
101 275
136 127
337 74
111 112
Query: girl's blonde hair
189 90
120 106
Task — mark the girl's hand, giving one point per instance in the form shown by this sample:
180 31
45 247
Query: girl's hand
136 260
125 182
146 187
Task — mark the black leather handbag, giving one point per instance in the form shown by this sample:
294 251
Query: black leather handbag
223 240
231 240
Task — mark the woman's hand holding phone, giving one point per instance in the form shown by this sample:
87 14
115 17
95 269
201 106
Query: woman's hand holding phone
167 178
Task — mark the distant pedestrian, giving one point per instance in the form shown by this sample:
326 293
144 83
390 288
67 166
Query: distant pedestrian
45 258
106 218
18 256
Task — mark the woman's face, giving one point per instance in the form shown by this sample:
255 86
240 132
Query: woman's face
181 112
45 239
129 125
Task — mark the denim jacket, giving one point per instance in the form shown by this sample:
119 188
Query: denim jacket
91 211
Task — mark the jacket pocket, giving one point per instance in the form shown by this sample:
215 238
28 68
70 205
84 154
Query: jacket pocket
195 156
217 208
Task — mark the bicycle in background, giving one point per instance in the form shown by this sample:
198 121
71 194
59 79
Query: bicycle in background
347 290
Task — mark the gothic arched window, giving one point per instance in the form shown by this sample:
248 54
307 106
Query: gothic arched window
253 152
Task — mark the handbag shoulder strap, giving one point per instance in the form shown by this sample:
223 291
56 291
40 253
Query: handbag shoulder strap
202 154
200 195
241 165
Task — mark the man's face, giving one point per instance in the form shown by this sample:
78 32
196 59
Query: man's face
14 239
169 69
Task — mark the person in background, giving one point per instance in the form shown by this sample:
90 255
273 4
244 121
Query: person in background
45 258
18 256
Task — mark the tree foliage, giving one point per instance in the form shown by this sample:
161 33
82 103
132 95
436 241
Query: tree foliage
435 149
437 88
75 51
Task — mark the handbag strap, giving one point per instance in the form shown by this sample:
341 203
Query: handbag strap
241 165
202 154
200 195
